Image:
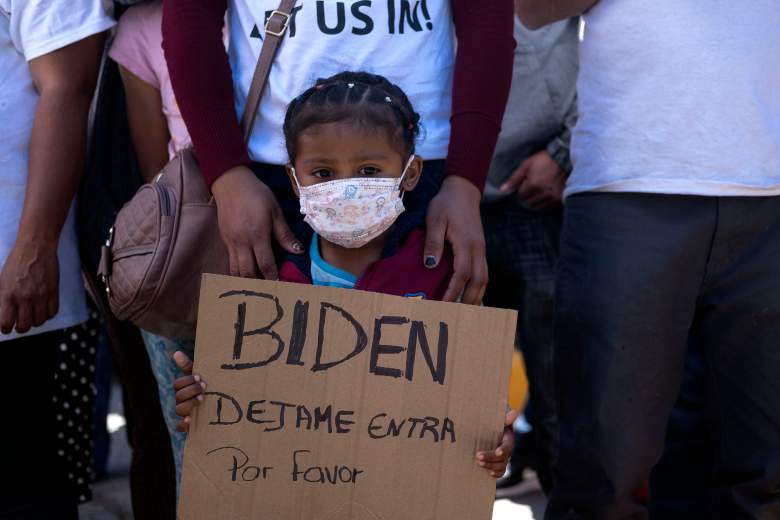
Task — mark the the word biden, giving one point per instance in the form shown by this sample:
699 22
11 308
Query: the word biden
330 317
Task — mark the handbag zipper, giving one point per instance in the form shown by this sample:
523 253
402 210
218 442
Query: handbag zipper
165 200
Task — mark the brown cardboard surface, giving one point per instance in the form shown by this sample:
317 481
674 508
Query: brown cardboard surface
340 462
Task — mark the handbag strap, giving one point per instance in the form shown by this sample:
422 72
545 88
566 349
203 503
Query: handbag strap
275 28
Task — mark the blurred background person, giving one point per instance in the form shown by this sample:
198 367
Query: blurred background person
522 214
670 242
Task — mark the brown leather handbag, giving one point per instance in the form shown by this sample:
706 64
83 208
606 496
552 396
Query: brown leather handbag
167 235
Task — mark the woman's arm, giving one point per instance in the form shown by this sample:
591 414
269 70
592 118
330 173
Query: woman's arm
148 126
249 215
65 80
483 75
202 81
538 13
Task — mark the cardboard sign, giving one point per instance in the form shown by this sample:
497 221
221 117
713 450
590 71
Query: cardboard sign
331 404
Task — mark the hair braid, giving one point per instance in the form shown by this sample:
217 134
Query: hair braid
353 96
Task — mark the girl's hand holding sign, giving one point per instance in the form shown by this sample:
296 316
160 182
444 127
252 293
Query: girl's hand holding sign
190 389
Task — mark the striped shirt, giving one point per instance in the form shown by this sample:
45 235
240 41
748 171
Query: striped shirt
322 273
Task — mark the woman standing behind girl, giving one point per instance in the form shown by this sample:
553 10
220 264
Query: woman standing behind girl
461 94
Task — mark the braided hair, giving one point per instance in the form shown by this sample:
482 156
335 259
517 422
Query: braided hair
360 98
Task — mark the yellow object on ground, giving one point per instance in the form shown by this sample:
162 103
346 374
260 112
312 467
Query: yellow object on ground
518 383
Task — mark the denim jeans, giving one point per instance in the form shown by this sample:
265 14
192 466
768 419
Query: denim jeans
165 370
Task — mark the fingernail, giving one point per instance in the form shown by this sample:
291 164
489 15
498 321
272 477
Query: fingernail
200 397
499 452
504 187
482 464
430 261
298 247
203 385
196 377
187 419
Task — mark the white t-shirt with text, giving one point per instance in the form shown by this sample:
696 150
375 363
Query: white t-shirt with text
679 97
410 42
30 29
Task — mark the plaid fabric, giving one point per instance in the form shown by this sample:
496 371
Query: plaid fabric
522 251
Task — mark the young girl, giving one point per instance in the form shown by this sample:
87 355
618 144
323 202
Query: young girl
350 140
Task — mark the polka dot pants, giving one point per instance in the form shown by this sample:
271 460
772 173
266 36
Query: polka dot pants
73 398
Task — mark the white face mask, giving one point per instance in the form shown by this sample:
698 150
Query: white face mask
352 212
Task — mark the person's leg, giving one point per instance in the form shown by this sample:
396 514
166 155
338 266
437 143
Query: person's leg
522 248
741 334
166 371
104 371
504 291
74 399
629 272
152 473
33 483
39 507
680 483
536 336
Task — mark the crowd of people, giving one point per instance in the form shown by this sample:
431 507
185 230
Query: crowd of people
608 168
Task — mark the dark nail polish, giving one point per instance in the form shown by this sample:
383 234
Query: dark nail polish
430 261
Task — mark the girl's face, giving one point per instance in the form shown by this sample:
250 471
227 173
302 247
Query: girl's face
335 151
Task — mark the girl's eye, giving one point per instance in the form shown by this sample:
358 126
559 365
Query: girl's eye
369 170
322 174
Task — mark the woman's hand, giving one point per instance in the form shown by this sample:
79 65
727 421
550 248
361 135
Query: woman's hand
249 216
495 462
189 390
454 216
29 286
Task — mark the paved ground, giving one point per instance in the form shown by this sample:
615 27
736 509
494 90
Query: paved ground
522 502
112 496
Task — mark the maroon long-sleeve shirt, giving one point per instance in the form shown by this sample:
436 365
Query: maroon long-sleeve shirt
203 84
